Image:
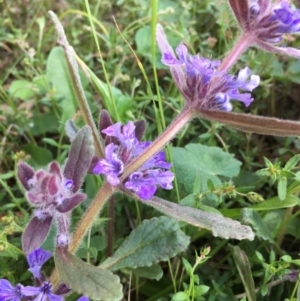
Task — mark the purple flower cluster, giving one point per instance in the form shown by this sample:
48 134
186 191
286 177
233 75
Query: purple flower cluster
264 22
199 80
48 191
270 21
53 197
42 291
123 149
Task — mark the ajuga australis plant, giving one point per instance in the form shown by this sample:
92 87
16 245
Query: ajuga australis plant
139 168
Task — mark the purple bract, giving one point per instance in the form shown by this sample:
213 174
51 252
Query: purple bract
48 190
125 148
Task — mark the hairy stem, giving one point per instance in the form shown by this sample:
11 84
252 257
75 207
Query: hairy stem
178 123
86 222
111 225
241 46
73 70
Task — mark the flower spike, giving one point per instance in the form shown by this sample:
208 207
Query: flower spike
126 146
266 22
200 82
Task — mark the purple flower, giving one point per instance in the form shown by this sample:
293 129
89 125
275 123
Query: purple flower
36 259
145 183
199 80
125 148
270 21
112 166
9 292
42 293
264 23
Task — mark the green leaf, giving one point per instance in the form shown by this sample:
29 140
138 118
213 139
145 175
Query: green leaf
152 241
292 162
263 289
45 122
252 218
59 76
219 225
42 83
281 188
296 262
214 162
286 258
123 101
263 172
39 156
8 175
143 42
286 173
86 279
192 200
276 203
200 290
259 256
180 296
51 142
187 266
243 266
23 89
152 272
96 244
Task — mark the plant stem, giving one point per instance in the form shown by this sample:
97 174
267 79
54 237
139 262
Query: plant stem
178 123
111 223
287 215
73 69
86 222
241 45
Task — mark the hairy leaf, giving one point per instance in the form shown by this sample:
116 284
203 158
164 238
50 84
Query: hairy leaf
25 173
243 266
152 272
80 157
240 9
86 279
71 203
152 241
253 124
252 218
219 225
213 162
35 233
276 203
74 83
